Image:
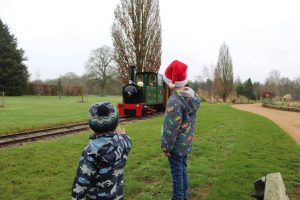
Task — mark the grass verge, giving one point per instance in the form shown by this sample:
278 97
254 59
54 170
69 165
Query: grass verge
231 150
30 112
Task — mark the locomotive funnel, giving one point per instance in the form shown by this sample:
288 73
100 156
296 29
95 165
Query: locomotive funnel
132 73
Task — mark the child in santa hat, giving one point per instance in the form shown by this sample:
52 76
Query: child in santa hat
179 126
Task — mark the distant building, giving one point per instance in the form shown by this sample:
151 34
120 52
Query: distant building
296 97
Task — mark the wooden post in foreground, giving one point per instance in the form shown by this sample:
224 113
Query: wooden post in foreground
2 99
275 189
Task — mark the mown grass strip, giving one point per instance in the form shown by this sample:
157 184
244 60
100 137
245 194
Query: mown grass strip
231 150
31 112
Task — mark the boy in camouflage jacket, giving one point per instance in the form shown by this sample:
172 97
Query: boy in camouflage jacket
100 171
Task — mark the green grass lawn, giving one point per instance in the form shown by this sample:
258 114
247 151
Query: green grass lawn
30 112
231 150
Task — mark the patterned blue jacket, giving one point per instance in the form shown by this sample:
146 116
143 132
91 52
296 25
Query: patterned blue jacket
100 171
179 122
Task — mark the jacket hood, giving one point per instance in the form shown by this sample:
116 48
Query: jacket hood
108 149
189 98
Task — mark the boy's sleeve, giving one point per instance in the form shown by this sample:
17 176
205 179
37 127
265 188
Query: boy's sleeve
85 172
171 126
127 143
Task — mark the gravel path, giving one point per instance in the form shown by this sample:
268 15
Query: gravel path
288 121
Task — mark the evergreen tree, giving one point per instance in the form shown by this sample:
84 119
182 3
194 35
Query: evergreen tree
13 73
257 89
248 89
239 89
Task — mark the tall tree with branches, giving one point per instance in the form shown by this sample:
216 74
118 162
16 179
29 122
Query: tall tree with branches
101 67
224 72
210 74
273 82
136 36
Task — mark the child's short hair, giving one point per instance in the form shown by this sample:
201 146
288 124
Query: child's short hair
103 117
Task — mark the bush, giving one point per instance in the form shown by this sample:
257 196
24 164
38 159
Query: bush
241 100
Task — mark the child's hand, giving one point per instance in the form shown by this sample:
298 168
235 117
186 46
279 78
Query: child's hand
167 154
120 131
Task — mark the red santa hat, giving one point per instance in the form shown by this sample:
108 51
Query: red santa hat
175 74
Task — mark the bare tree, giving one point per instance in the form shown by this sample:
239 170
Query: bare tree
286 86
209 74
136 35
38 81
273 82
224 72
101 66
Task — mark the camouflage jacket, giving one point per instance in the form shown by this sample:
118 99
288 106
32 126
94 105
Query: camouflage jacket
100 171
180 121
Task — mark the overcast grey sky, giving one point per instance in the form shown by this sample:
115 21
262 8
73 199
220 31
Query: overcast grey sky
262 35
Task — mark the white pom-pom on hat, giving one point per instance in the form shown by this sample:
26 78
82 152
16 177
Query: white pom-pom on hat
171 85
175 74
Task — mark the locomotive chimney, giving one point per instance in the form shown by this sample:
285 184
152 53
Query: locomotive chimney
132 73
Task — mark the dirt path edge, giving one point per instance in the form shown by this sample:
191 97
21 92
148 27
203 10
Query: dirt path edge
287 120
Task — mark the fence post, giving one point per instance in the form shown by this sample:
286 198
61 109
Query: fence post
3 93
275 189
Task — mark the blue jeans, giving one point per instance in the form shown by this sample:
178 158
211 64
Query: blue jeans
178 166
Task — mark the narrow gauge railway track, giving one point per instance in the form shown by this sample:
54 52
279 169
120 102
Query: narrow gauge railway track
30 136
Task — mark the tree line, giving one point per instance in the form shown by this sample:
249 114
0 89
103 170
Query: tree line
274 85
217 82
71 84
136 36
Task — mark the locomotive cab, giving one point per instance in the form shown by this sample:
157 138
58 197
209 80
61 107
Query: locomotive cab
152 85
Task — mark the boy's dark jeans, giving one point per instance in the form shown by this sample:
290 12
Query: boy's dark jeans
178 166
